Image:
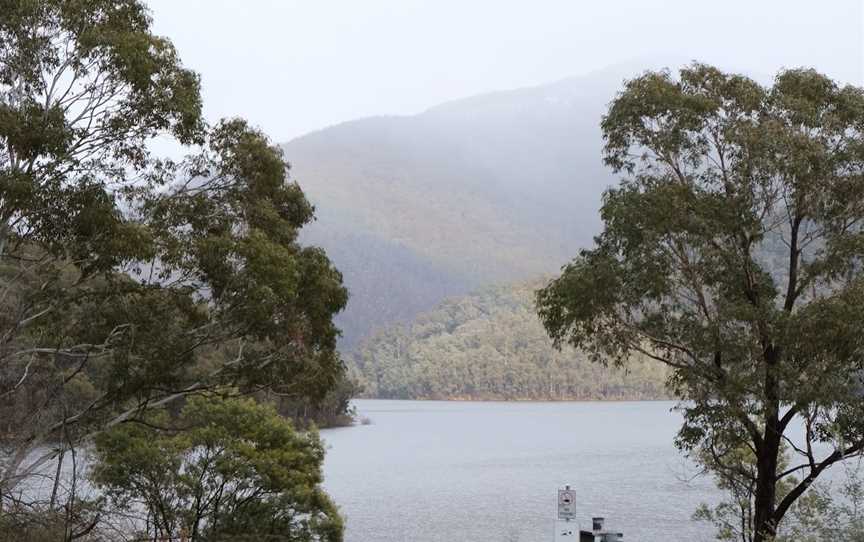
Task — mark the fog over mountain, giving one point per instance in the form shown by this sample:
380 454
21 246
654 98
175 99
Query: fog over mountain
490 189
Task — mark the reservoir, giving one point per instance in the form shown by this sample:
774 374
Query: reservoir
429 471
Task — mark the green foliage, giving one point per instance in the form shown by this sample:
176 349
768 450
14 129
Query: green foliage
231 229
224 470
490 345
724 180
333 410
76 521
128 282
735 474
829 512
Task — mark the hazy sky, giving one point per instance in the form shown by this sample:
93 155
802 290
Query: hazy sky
292 66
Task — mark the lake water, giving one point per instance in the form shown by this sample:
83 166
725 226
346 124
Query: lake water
428 471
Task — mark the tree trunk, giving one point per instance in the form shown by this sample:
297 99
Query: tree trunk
767 455
766 490
57 475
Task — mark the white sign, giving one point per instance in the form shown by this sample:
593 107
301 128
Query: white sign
566 532
566 504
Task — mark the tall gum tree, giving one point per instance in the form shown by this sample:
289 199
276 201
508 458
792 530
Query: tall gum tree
126 281
731 252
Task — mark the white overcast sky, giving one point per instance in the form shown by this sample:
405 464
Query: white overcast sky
292 66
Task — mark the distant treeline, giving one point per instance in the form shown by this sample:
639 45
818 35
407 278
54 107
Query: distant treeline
490 345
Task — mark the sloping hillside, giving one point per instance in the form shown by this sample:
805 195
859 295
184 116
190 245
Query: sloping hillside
494 188
491 345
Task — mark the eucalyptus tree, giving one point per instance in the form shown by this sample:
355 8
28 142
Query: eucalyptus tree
230 470
731 252
129 281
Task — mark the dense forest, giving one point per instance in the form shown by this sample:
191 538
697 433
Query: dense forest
491 345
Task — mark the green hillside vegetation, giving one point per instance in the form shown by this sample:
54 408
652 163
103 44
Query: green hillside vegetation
491 346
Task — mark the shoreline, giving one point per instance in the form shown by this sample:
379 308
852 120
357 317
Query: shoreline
475 400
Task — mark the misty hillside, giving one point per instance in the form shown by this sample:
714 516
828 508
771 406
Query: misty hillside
490 189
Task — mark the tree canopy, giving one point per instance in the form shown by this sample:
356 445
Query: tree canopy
731 252
127 281
221 470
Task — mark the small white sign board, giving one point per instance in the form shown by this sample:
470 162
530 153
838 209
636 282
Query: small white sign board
566 531
566 504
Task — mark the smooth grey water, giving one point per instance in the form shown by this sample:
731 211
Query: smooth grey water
456 471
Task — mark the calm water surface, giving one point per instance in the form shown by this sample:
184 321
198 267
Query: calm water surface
456 471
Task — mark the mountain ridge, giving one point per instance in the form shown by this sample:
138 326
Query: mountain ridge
493 188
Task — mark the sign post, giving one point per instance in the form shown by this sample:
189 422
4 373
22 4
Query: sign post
565 528
566 504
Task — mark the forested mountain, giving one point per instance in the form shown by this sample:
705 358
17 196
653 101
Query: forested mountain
490 345
496 188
